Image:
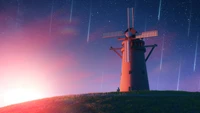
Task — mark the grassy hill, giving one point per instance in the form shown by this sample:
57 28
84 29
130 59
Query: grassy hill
113 102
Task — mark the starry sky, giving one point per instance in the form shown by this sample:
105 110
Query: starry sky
56 46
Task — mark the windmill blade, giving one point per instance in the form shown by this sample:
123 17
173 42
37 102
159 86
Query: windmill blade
129 33
113 34
130 23
130 18
148 34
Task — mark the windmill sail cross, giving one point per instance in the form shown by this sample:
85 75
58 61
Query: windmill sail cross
148 34
113 34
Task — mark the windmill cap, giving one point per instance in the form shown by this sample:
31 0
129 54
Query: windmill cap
130 32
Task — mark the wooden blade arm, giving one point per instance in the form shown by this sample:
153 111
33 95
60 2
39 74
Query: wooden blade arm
115 50
153 46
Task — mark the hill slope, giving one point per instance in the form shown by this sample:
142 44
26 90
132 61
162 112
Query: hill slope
133 102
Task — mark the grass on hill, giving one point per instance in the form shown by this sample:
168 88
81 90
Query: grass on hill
113 102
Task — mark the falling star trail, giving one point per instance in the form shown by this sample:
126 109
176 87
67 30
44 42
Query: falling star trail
50 25
179 75
159 9
162 51
189 19
161 60
71 11
196 52
89 23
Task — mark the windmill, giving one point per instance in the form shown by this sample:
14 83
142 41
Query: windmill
133 70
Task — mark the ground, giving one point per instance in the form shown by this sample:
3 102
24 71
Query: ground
113 102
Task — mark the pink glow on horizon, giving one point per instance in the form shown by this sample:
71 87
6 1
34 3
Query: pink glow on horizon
29 57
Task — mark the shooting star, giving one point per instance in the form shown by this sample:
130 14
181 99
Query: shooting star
71 11
195 55
159 9
179 76
189 19
161 59
51 18
102 81
89 23
162 51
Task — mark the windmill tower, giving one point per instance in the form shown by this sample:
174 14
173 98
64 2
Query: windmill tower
133 70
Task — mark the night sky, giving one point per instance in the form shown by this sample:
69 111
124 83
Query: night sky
55 47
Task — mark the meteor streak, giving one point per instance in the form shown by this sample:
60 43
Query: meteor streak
89 24
195 56
162 50
179 75
159 9
161 59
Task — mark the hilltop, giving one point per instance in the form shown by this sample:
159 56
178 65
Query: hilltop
113 102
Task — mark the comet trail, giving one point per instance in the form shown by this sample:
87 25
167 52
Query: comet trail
159 9
179 75
195 56
189 20
162 50
161 59
71 11
50 25
89 23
